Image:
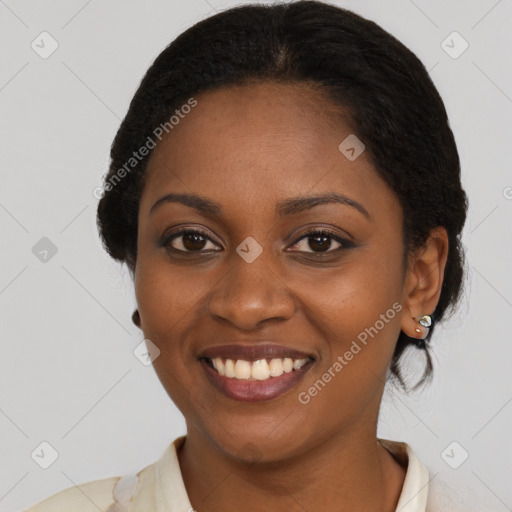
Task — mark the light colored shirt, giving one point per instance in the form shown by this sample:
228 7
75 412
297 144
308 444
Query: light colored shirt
159 487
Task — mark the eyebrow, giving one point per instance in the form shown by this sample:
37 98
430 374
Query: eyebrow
289 206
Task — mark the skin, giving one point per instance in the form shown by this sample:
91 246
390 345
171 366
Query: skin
247 148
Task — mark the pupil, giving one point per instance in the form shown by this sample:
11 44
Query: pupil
193 241
319 245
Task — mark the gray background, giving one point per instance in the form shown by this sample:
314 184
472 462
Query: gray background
67 372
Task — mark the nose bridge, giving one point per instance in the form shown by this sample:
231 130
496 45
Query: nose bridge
251 291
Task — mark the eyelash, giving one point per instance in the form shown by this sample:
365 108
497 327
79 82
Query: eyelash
345 244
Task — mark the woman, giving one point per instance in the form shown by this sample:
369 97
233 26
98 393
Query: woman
285 191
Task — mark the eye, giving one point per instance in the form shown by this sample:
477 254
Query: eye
318 241
321 241
189 240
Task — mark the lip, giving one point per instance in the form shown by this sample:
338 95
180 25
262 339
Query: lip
252 390
263 350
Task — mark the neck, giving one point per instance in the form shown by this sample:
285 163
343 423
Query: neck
346 472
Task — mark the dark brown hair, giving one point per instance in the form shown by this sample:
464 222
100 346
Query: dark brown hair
394 106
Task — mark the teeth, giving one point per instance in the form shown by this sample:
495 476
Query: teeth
287 365
257 370
219 365
276 367
229 368
299 363
260 370
242 369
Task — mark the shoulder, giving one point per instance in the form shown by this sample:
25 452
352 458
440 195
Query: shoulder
443 496
459 492
141 491
434 491
88 497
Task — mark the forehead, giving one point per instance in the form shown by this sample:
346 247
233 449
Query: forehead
255 142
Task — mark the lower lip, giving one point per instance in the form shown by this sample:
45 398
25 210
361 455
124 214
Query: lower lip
255 390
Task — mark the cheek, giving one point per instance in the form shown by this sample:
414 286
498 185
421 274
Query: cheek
164 292
168 302
352 297
357 312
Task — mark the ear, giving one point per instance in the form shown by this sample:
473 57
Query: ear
136 318
423 281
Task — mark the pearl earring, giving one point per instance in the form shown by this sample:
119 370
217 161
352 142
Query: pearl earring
425 321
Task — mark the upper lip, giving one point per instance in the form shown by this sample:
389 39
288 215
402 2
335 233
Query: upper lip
254 352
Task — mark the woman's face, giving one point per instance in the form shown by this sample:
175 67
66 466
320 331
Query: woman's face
253 279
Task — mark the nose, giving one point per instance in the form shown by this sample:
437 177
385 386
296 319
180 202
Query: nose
251 293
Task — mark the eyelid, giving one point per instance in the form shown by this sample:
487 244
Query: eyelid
169 237
345 243
335 232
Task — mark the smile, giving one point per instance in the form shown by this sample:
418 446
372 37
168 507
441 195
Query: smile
256 370
254 381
